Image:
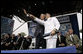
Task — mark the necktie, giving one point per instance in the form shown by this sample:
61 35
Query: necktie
72 39
59 39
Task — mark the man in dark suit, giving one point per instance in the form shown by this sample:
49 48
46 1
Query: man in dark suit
19 41
61 41
27 42
7 41
13 42
40 41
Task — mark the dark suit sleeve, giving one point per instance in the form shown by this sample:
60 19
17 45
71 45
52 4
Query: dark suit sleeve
63 40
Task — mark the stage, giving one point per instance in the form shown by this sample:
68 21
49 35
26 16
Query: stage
69 49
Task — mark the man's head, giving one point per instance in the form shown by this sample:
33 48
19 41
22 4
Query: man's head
59 34
29 36
70 31
42 16
67 33
6 36
48 15
19 35
12 35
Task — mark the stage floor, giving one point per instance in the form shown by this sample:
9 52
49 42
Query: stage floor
69 49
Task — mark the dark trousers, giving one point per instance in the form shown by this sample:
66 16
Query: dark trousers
40 42
26 45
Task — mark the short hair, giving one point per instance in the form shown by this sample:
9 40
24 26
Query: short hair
42 13
19 34
48 13
70 29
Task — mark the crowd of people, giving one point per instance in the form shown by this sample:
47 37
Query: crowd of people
13 42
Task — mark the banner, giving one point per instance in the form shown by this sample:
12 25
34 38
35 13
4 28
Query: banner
65 24
6 25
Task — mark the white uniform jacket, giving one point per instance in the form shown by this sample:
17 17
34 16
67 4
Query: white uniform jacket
50 24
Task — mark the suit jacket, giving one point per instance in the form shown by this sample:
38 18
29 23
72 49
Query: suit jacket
75 40
39 31
8 40
27 43
63 40
20 41
13 40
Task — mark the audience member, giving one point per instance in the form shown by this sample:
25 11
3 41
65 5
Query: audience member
7 41
13 42
73 39
19 41
27 42
61 41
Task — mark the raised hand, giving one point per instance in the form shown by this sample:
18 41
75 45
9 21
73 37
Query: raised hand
30 15
25 12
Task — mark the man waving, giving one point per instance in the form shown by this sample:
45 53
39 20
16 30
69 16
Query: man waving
51 26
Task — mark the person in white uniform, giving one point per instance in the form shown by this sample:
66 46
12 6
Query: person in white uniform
51 26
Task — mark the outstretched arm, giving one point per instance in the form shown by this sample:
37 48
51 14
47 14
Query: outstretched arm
33 17
37 19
